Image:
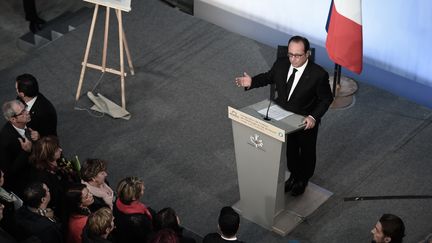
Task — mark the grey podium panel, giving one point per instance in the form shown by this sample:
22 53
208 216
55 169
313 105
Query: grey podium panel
259 173
261 168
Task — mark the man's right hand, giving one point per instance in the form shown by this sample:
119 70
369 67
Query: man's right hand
244 81
26 144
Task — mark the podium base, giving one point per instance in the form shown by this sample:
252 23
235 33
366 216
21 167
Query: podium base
296 209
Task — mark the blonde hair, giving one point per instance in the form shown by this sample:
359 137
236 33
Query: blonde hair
100 221
129 189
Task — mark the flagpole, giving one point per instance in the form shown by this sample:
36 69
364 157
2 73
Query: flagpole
336 78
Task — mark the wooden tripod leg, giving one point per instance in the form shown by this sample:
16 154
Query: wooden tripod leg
128 55
84 64
105 46
122 74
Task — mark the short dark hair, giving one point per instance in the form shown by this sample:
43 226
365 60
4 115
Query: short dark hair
33 194
167 219
73 199
302 39
27 84
91 167
229 221
392 227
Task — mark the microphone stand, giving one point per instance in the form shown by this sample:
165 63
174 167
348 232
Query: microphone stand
272 96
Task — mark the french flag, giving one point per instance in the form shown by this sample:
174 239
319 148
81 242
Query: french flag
344 42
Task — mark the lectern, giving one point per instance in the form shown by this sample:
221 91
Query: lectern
260 153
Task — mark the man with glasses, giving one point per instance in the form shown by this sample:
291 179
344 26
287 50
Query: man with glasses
15 145
303 88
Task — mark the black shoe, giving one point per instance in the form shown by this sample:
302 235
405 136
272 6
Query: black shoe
35 27
289 184
299 188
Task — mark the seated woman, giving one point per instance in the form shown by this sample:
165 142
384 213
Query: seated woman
93 175
168 219
78 199
133 220
45 153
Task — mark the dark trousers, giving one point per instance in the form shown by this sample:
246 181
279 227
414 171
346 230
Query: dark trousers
301 153
30 10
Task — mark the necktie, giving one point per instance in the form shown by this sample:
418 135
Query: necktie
290 82
27 133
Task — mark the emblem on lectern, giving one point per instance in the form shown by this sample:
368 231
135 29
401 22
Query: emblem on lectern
256 141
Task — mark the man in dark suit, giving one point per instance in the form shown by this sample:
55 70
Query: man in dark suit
31 15
42 112
15 145
303 88
228 224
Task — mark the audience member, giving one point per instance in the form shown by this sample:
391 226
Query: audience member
93 175
35 218
45 169
389 228
78 199
165 236
42 112
10 202
5 237
99 226
15 145
133 220
168 219
228 224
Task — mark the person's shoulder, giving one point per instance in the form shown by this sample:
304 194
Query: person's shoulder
42 100
6 128
212 237
316 67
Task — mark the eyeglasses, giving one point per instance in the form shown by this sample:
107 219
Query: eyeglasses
19 114
291 55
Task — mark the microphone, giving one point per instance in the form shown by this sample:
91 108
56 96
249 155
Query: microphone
272 95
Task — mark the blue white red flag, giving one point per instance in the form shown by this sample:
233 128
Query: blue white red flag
344 42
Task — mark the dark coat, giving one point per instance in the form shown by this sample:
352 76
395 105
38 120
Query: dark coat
131 227
33 224
87 237
13 159
312 95
216 238
43 117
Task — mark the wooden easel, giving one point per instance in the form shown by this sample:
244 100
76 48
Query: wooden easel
103 68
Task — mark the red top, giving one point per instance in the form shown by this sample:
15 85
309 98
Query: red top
75 228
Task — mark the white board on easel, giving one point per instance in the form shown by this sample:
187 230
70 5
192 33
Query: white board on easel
124 5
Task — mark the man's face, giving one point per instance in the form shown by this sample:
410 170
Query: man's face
297 54
48 194
21 117
378 234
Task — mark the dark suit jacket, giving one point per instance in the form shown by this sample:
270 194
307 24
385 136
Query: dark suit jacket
216 238
43 117
13 160
312 95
